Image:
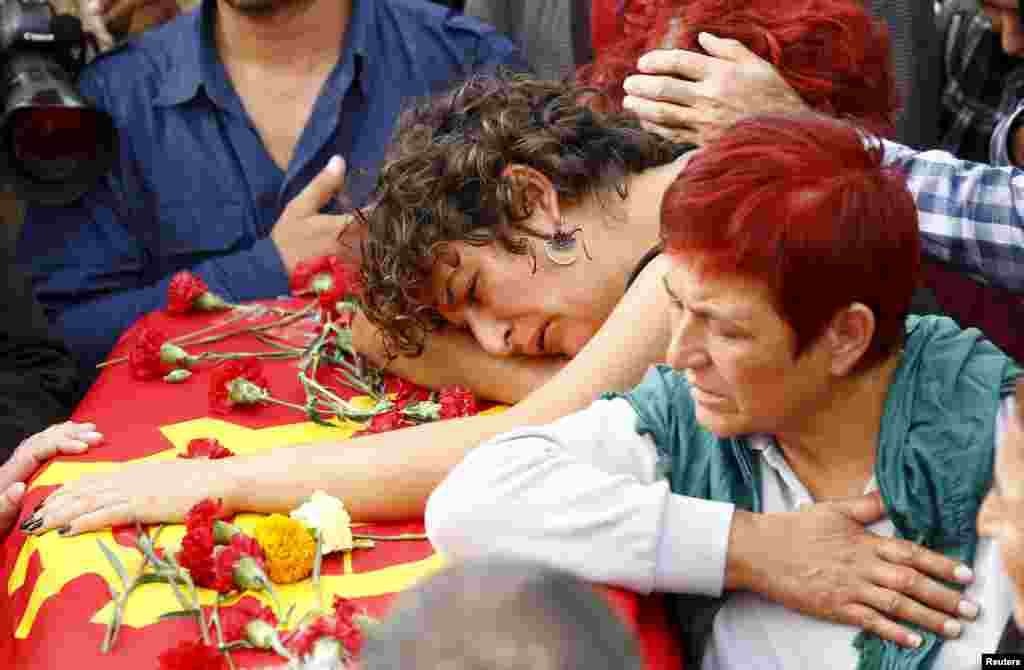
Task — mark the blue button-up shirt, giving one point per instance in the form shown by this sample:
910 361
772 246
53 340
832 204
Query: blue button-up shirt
194 186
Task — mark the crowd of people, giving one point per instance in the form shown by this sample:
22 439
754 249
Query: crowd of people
813 444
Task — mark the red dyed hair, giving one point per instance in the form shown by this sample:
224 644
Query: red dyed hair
832 52
803 204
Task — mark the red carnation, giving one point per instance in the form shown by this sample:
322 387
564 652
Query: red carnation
322 274
233 620
145 356
203 514
224 570
248 546
385 421
191 655
340 625
406 392
456 401
188 292
236 382
197 546
196 554
206 447
301 641
345 627
329 279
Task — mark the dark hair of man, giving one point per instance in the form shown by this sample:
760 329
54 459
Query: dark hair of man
443 181
501 615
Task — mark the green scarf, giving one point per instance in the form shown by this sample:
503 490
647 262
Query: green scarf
933 467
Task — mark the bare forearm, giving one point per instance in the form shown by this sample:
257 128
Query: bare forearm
379 477
456 358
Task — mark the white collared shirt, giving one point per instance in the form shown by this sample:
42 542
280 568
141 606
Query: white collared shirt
587 494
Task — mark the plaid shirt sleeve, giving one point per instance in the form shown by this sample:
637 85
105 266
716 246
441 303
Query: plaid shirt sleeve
971 214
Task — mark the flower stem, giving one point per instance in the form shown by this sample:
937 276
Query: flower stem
284 403
385 538
237 315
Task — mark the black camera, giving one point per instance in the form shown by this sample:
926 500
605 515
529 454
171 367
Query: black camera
53 144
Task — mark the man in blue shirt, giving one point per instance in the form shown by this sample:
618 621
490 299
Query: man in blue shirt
226 115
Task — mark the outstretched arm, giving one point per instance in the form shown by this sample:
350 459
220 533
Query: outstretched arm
387 476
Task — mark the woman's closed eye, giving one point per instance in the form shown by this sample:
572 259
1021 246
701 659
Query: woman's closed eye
471 298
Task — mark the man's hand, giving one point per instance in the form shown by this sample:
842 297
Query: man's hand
109 18
1002 514
844 573
302 232
692 98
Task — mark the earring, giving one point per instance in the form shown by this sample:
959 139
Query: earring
560 247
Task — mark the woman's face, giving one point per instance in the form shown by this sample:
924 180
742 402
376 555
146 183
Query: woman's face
516 304
738 355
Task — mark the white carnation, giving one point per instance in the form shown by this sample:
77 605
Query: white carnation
327 515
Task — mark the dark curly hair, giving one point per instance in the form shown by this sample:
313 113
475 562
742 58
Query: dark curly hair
442 182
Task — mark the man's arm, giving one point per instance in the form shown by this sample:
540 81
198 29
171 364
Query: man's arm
971 215
95 276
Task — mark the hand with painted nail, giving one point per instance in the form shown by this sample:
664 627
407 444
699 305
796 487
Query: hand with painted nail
845 573
62 438
1002 514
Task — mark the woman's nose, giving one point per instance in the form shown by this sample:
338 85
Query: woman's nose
493 335
683 350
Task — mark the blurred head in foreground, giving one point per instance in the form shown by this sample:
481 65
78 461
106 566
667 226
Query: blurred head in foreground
499 615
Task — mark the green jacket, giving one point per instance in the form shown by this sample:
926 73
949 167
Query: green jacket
934 462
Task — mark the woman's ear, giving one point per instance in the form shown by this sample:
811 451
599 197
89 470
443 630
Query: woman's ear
849 336
535 192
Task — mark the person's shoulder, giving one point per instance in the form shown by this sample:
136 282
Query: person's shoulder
955 360
433 17
661 401
136 67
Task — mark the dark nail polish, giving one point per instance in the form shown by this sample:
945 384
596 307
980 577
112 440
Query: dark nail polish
64 531
32 524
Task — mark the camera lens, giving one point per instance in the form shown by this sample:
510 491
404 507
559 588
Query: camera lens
54 144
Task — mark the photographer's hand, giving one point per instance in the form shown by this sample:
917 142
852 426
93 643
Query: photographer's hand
107 18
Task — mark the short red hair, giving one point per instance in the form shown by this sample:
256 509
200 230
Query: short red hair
804 205
832 52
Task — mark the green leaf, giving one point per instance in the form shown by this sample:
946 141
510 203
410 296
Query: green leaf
116 562
151 578
178 614
315 417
